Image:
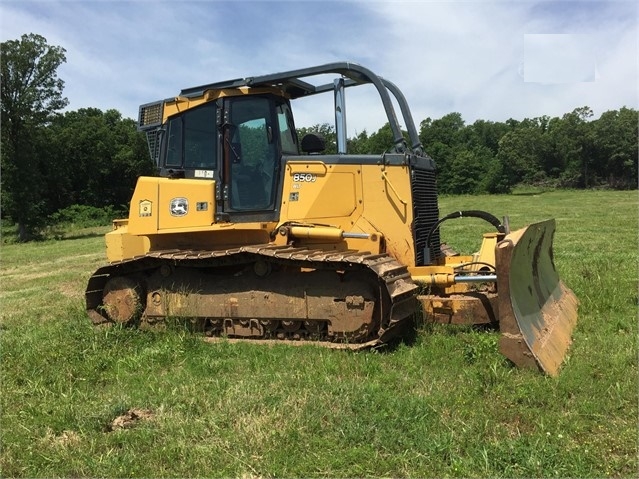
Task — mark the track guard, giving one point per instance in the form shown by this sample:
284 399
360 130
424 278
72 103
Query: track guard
537 312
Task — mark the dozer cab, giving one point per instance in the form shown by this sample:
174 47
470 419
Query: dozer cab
250 232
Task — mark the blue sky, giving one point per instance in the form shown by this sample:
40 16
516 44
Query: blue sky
491 60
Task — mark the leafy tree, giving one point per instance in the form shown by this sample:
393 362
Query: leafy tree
521 155
616 138
464 154
31 94
100 156
488 133
381 141
358 144
447 130
573 143
468 170
496 179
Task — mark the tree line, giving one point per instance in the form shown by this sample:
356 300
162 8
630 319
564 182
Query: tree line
52 162
572 151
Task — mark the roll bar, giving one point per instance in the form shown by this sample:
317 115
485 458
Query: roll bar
354 74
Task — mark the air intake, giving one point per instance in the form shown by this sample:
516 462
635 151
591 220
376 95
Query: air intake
150 116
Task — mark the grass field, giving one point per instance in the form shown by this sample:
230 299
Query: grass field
448 405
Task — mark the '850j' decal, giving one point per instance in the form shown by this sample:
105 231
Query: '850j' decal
304 177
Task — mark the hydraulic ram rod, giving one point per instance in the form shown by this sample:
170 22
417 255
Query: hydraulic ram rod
480 278
448 279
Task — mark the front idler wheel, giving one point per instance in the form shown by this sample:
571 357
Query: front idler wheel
123 300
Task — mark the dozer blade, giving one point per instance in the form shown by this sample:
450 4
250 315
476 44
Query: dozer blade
537 312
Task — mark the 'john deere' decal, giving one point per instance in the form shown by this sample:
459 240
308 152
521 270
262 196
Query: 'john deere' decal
179 206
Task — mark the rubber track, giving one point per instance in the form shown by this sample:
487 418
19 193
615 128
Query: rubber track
400 290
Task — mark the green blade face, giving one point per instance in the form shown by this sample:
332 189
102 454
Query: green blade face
537 312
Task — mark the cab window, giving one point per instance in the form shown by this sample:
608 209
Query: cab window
288 135
192 139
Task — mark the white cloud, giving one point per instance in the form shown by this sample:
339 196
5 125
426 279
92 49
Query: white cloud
469 57
445 56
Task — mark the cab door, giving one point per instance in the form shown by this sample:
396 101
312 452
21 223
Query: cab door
251 157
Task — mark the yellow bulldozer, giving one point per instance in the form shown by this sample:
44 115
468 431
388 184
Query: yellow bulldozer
250 232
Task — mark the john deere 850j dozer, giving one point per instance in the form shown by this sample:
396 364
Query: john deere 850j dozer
249 233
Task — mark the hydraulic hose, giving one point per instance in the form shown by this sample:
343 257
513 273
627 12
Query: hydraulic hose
493 220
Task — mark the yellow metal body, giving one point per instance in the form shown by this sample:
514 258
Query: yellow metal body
373 201
152 225
180 104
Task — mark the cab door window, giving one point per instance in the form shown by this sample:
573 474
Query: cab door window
253 155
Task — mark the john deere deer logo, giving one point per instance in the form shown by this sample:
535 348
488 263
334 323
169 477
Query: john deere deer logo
179 206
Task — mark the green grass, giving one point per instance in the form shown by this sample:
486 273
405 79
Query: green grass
448 405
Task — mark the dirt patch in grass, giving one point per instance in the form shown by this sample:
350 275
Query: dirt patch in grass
130 418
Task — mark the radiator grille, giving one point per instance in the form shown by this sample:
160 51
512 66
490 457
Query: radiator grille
425 213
